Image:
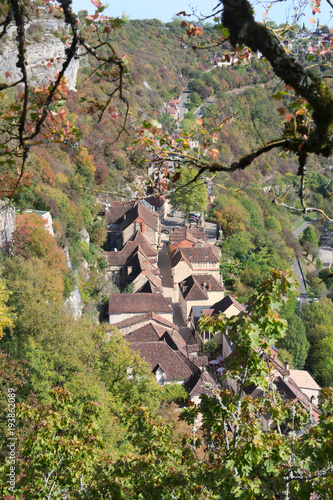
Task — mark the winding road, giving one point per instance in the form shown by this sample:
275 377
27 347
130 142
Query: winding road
303 296
325 255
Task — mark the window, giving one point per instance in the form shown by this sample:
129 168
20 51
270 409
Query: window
159 376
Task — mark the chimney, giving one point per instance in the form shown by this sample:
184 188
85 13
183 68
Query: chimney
129 270
143 272
287 365
209 286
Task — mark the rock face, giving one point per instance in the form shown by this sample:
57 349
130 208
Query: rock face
74 301
7 216
39 53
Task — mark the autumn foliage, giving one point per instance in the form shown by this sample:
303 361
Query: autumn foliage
231 219
32 239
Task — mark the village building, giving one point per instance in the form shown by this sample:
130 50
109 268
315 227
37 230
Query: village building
195 260
126 305
125 219
186 237
199 289
167 365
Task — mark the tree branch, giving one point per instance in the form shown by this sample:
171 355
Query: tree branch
238 18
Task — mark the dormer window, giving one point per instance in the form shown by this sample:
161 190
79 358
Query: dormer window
159 376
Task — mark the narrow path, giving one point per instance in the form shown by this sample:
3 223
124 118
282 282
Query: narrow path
303 296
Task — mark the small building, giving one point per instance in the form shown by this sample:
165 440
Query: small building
199 289
196 260
125 305
167 365
125 219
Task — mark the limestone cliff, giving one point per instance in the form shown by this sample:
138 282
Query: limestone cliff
42 47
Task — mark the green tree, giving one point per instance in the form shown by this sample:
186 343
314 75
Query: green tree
186 195
60 449
295 341
6 315
323 360
309 236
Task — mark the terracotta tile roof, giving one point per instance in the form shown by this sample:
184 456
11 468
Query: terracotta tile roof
130 212
160 354
206 253
156 201
140 211
140 240
120 258
195 287
142 318
139 262
152 333
117 210
138 303
193 234
176 257
200 360
196 385
146 333
303 379
225 303
289 390
192 348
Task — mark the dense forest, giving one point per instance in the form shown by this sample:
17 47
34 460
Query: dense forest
107 435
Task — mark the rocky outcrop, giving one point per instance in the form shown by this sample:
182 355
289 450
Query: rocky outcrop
7 216
74 303
50 50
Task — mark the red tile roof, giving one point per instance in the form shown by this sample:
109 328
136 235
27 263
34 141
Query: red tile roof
152 332
224 304
138 303
197 384
117 210
160 354
140 240
195 287
142 318
192 234
206 253
127 213
140 211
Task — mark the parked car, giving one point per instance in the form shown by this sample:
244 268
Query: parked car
194 219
